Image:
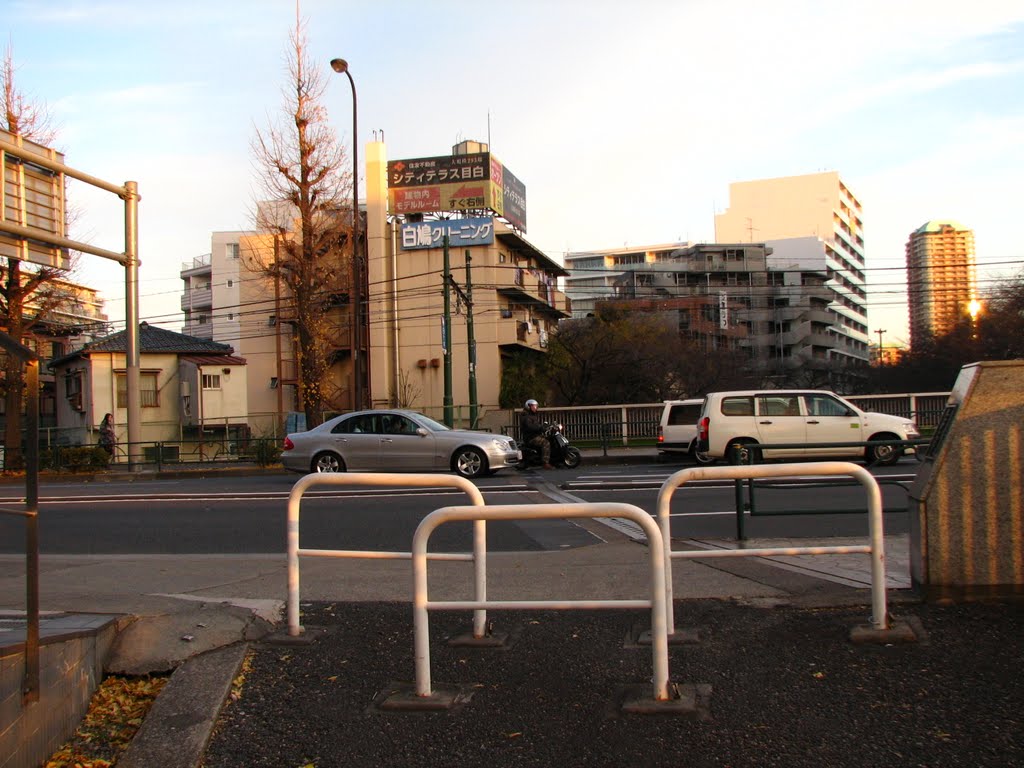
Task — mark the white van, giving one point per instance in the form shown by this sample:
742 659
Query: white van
733 423
677 430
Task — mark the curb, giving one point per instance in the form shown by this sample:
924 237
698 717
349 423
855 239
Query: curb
178 727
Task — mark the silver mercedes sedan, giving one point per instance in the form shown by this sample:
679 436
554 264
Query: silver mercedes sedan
396 441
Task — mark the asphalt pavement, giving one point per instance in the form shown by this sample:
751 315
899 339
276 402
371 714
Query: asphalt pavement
768 675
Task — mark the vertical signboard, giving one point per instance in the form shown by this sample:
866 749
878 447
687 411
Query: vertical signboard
32 197
723 310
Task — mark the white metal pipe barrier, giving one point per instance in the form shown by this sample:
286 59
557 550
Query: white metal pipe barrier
421 604
478 557
875 547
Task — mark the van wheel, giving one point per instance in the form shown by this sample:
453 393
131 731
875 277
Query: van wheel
744 452
703 459
883 455
700 457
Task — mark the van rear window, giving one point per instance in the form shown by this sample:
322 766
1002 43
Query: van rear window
684 414
738 406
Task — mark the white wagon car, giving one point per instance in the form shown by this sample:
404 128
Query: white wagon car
733 424
396 441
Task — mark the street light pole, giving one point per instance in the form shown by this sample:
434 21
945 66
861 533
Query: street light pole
341 66
881 358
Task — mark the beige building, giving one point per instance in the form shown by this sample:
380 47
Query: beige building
516 304
190 390
941 281
813 222
507 292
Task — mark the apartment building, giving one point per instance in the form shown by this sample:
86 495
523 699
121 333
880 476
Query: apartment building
592 275
728 296
815 222
941 279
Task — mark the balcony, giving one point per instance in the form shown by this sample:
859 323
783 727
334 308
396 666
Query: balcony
199 298
199 330
196 266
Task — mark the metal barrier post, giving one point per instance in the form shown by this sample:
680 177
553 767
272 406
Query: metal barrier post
421 604
741 534
876 547
479 556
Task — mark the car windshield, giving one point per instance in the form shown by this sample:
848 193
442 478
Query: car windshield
429 423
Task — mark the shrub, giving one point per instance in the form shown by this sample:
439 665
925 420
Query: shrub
75 459
264 451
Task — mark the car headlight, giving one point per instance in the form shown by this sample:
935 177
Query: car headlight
912 431
502 445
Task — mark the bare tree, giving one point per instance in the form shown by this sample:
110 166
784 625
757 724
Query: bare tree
302 178
28 293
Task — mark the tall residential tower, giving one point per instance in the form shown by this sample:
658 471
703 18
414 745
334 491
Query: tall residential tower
940 278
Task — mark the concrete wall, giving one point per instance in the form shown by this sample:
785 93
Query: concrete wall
70 669
967 514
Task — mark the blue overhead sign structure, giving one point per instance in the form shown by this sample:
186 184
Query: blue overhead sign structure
461 232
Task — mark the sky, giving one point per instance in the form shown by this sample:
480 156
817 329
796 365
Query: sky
626 121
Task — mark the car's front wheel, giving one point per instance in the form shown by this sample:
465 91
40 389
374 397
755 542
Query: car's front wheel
469 462
325 461
883 455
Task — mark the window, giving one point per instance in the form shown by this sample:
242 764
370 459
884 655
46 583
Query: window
272 321
273 382
779 405
823 405
149 392
738 406
230 283
73 389
232 250
211 381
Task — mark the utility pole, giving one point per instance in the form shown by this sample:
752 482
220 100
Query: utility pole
446 336
881 357
471 341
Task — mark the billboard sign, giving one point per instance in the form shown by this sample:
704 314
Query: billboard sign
461 232
470 182
32 196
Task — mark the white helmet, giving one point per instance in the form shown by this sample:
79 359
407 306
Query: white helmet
531 402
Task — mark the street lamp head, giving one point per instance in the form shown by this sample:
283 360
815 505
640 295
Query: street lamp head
339 65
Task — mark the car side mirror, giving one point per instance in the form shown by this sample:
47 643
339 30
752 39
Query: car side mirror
421 431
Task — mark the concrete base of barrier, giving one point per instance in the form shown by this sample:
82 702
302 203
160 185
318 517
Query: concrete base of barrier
501 641
899 631
402 697
687 701
639 636
679 637
309 636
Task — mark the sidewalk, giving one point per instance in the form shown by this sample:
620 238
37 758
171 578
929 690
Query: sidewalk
772 642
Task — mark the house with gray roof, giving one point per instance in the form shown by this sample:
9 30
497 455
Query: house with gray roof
192 393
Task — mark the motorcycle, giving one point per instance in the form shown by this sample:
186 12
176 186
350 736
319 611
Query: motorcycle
562 452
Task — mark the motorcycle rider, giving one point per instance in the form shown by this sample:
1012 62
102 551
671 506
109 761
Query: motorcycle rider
531 432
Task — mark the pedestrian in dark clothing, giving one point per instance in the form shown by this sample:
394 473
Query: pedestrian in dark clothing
531 431
108 439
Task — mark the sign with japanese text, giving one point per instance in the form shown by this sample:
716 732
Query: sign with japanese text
471 182
461 232
723 310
